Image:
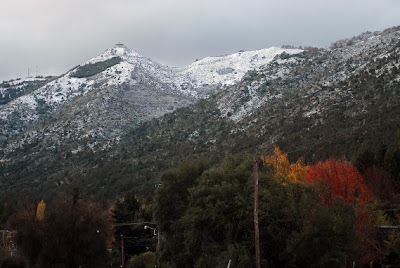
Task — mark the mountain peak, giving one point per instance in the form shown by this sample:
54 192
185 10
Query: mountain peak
118 50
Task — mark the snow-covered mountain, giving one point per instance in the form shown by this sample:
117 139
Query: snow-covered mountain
227 70
113 123
311 73
115 91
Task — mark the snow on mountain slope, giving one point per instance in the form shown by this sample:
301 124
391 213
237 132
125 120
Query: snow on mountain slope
21 112
117 90
254 90
311 73
228 70
135 68
210 71
109 93
10 90
119 50
18 114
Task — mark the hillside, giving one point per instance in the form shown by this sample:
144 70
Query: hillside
314 104
117 90
10 90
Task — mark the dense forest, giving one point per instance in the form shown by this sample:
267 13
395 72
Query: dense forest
333 213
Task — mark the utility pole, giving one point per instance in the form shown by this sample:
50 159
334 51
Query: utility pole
122 252
157 243
256 225
4 243
158 249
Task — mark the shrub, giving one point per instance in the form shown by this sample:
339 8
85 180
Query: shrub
143 260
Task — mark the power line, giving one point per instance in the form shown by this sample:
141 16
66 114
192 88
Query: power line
133 223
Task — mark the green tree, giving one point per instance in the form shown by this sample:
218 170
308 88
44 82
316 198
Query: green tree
298 230
392 254
73 232
391 164
128 210
171 203
6 210
212 221
219 220
143 260
364 160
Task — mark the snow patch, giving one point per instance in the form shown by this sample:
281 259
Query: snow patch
228 70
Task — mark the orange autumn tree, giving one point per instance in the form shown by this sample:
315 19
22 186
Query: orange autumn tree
338 178
40 210
283 168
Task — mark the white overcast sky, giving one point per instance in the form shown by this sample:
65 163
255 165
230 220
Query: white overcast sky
56 35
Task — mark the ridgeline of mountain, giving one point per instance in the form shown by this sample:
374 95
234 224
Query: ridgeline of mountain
113 92
113 123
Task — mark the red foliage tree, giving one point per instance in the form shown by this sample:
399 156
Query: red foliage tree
338 178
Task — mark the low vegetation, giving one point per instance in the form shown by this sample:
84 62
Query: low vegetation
91 69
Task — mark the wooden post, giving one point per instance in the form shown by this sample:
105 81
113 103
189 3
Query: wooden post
4 241
256 225
158 249
122 252
156 246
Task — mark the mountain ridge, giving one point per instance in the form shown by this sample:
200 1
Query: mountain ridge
145 88
314 104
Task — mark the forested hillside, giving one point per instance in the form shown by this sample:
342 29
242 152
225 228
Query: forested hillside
316 104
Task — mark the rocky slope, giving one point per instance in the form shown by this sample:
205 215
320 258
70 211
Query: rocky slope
313 103
10 90
115 91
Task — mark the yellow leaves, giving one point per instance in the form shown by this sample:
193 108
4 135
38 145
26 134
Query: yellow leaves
298 172
40 210
295 172
279 161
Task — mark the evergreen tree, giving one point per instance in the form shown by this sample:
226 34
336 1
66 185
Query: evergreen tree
128 211
171 203
72 233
